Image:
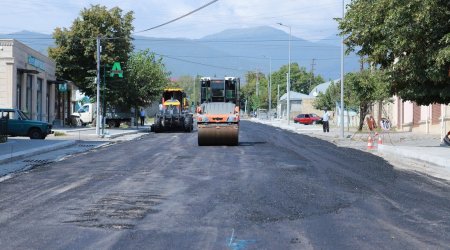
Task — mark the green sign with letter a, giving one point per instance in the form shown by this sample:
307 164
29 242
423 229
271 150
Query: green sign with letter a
62 87
116 69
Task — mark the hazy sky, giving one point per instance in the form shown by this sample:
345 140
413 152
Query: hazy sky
309 19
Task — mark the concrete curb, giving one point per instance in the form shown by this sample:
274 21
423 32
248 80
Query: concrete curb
121 134
36 151
71 130
415 153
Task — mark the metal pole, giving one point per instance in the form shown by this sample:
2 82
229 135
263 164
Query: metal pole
97 120
443 127
278 101
289 81
287 85
257 84
195 96
342 79
288 88
270 84
104 100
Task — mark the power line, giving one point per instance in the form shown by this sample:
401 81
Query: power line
199 63
178 18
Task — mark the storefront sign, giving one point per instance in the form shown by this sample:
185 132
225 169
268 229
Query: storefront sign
116 69
62 87
36 62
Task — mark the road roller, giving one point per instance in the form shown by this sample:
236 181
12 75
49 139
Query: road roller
218 113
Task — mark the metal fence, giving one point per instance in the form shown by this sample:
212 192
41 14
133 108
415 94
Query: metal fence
3 129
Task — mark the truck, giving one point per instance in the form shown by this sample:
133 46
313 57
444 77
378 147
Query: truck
113 118
174 114
218 114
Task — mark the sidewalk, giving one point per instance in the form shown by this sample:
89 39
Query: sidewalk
19 147
422 147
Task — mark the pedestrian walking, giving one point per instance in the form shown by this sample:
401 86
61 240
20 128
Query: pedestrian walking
325 120
142 115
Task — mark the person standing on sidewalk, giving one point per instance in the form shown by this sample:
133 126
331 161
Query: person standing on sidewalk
325 120
142 115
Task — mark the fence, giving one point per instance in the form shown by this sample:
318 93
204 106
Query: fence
3 129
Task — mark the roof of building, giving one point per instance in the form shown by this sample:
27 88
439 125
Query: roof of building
321 88
295 96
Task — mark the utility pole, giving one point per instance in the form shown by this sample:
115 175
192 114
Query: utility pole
270 85
288 88
311 81
257 83
97 120
195 96
287 102
278 100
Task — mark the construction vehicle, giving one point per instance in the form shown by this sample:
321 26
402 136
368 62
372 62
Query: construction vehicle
218 113
174 112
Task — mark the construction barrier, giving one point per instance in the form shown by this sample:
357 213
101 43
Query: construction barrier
370 142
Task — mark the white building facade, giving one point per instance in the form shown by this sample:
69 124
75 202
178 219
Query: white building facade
27 80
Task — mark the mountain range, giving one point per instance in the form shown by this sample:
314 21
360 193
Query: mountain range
231 52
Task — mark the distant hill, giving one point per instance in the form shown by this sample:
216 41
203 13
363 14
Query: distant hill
230 52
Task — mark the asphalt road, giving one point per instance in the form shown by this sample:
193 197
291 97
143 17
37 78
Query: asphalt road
276 190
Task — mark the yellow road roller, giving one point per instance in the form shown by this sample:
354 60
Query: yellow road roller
218 113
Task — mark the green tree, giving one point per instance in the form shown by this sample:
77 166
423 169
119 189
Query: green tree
249 91
76 49
302 81
190 85
361 91
146 77
410 39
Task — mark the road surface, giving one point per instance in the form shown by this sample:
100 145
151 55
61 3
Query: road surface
276 190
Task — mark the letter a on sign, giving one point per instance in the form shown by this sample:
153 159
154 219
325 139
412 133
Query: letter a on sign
116 69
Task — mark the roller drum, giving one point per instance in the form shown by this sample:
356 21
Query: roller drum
218 135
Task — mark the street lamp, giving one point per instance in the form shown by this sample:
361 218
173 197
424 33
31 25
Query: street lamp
288 109
269 85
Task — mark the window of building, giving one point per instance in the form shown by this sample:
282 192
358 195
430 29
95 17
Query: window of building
29 97
19 91
39 99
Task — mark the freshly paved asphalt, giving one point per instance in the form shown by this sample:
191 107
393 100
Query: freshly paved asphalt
401 145
277 190
425 148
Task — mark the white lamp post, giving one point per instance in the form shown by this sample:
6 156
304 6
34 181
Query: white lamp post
288 108
342 78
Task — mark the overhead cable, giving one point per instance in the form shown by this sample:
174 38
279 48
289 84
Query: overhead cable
178 18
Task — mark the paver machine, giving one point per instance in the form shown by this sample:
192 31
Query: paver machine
174 114
218 113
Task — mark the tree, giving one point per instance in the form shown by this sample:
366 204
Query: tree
410 39
302 81
328 99
145 76
190 85
249 90
361 91
76 50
